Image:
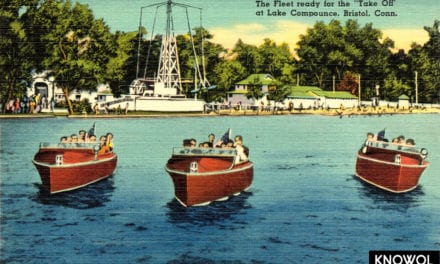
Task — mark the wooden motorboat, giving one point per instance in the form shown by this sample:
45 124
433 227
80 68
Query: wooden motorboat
391 167
203 175
69 166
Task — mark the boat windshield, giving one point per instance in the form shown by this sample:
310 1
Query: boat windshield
47 145
391 146
204 151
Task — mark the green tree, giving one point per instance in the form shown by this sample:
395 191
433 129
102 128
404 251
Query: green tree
254 89
395 87
278 92
74 46
119 66
274 57
312 52
248 56
15 50
228 73
426 61
331 50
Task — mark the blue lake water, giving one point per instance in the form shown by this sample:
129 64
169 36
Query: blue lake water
304 206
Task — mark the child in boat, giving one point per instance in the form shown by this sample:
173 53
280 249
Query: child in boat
241 156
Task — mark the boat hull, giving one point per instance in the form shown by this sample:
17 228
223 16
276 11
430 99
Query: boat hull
79 168
381 168
218 182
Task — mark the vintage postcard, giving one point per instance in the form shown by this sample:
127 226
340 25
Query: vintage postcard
206 131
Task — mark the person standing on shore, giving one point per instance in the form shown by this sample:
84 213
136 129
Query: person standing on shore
52 104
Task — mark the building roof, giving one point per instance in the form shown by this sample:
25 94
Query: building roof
335 94
238 92
312 92
261 78
403 97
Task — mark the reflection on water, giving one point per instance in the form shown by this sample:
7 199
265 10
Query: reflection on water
214 213
387 200
90 196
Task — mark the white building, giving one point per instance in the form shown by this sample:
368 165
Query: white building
45 84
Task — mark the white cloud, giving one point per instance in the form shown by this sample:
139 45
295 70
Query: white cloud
288 31
255 33
403 38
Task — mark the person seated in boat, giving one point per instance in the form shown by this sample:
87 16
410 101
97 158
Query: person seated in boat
193 143
370 139
110 141
64 140
204 145
371 136
82 136
241 156
103 148
91 139
401 139
410 145
74 138
410 142
186 143
228 145
211 139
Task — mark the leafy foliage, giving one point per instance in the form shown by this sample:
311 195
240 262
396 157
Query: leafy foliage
81 53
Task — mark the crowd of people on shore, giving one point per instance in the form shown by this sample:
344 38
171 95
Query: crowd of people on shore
224 143
83 137
29 105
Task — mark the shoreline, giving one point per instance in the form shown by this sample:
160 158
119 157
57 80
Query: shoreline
232 112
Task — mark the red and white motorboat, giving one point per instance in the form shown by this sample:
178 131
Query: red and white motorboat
65 167
391 167
203 175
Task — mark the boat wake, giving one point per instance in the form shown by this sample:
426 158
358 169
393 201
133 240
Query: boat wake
213 214
85 198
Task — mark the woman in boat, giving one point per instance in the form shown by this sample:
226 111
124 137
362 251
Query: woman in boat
103 148
109 143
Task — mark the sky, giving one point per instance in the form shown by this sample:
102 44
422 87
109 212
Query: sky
279 20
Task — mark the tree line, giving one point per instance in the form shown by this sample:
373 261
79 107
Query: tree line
80 51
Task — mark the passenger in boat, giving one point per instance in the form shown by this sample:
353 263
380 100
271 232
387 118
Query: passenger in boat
395 141
211 139
410 145
401 139
82 136
63 140
110 141
204 145
92 139
410 142
103 148
241 156
371 137
193 142
187 143
74 138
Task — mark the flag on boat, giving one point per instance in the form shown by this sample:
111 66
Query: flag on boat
225 138
91 131
381 135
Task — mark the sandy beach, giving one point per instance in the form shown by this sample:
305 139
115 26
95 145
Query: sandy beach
232 112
